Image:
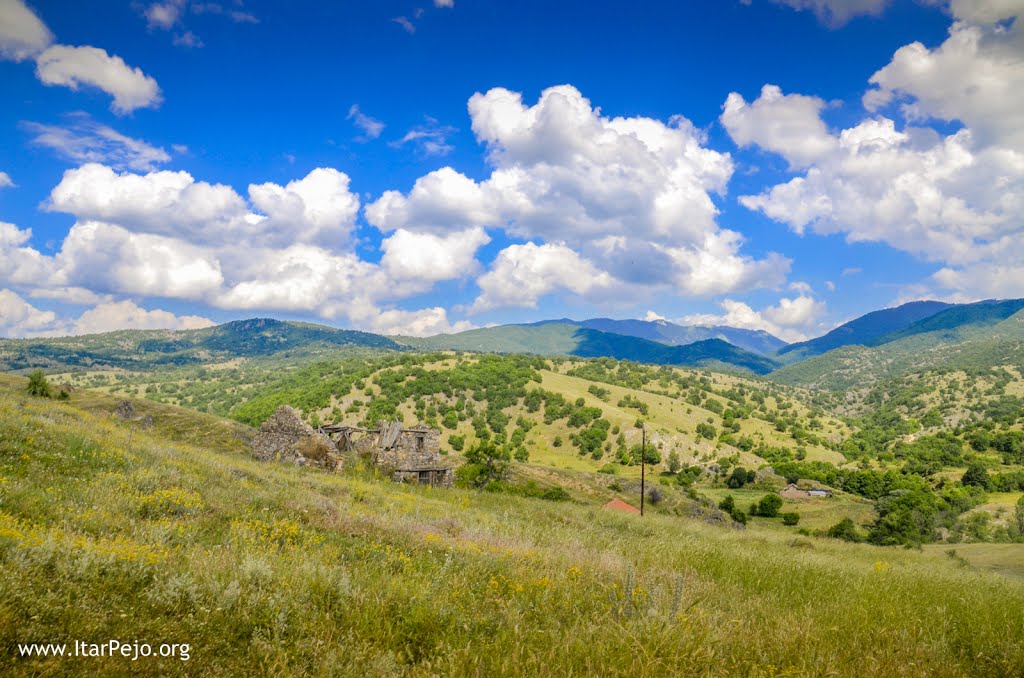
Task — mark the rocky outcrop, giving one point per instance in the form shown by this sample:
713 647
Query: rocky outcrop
286 437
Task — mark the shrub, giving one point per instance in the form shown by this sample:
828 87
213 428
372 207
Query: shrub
740 477
655 496
790 518
37 384
706 431
555 494
845 530
485 463
768 507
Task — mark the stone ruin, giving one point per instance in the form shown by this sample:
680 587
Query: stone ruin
126 410
410 455
285 437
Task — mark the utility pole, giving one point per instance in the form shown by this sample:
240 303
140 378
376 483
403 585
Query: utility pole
643 465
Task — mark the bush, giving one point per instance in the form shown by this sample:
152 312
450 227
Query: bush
485 463
555 494
740 477
655 496
37 384
768 507
790 518
706 431
845 530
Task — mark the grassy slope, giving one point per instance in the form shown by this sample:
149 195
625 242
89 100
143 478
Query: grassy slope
270 569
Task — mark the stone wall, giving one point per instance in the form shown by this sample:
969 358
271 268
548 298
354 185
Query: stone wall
417 447
286 437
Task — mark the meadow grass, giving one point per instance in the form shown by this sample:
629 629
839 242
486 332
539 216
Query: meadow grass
271 569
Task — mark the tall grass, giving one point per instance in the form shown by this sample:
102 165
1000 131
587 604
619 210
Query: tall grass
267 569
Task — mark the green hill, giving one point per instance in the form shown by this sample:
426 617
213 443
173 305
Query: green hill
135 349
565 339
975 346
863 330
978 315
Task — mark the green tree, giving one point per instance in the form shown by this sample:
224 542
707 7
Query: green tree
485 463
740 477
37 384
675 464
768 507
977 475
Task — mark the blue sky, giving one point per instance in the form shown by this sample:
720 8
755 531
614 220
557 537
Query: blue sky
418 167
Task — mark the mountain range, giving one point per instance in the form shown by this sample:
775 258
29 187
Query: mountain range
892 337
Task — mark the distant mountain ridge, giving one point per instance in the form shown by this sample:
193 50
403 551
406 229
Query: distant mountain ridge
554 338
971 337
141 348
665 332
980 313
880 342
864 329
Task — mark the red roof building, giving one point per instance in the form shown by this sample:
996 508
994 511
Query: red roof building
619 505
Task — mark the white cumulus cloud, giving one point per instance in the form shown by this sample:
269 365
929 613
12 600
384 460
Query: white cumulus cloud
790 319
788 124
632 196
521 274
127 315
19 319
22 34
93 67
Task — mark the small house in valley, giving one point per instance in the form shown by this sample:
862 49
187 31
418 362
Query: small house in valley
793 491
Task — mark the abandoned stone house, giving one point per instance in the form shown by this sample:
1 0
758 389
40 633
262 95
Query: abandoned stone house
407 454
410 454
